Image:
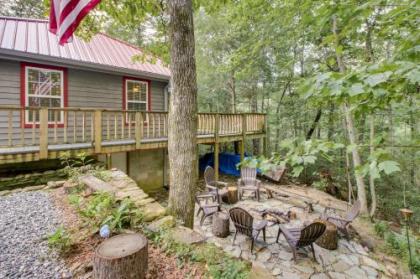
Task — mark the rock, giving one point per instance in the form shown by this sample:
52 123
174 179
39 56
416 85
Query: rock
289 275
355 272
320 276
52 185
371 272
264 256
5 192
340 266
34 188
370 262
304 268
166 222
186 235
336 275
258 271
145 201
236 252
284 255
153 211
96 184
276 271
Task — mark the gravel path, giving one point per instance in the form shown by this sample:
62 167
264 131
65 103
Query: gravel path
25 219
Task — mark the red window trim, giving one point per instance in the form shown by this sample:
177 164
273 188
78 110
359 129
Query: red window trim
23 66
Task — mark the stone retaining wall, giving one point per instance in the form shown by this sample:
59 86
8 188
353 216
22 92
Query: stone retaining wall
29 179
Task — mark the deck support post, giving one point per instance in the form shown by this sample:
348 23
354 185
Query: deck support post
108 161
98 131
43 133
242 147
138 128
216 146
266 137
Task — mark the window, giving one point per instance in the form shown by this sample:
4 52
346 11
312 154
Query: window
136 95
44 87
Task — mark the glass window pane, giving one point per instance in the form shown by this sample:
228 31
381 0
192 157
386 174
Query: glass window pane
44 82
136 106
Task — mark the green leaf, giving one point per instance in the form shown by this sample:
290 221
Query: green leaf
376 79
356 89
297 171
389 167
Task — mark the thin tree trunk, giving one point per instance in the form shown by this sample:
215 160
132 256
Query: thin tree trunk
314 124
276 145
371 178
331 121
351 130
348 177
182 142
232 86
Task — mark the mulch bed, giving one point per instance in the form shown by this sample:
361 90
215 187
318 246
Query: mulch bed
79 259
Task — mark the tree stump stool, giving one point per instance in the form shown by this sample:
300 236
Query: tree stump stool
329 238
220 224
123 256
232 195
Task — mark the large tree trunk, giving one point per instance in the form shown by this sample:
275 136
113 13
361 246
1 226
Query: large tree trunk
371 178
182 142
351 130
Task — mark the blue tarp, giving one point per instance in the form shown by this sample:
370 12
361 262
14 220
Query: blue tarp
227 163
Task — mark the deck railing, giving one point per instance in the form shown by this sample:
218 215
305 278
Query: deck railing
45 129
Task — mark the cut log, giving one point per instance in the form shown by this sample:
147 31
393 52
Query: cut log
123 256
330 238
97 184
220 224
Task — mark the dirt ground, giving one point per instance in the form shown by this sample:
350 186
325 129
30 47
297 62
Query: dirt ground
79 260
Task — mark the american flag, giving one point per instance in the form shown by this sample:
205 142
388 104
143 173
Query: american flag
66 15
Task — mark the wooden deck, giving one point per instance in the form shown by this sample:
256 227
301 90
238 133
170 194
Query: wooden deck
31 134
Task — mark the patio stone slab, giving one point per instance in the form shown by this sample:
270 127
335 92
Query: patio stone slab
350 260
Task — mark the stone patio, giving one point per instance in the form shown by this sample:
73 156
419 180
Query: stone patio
349 260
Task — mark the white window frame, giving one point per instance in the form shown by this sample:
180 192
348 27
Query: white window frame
27 95
137 102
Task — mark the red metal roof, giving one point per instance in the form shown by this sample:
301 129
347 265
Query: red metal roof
22 36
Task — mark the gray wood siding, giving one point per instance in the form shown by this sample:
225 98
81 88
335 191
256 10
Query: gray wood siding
86 89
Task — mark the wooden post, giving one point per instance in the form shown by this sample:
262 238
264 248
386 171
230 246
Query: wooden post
216 146
98 131
138 120
108 161
43 133
266 137
243 137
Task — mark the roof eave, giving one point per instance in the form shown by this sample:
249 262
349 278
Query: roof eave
34 57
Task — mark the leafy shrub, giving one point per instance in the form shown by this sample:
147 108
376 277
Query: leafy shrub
60 240
381 228
102 208
220 266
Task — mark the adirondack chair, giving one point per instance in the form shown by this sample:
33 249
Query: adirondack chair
213 186
342 223
297 237
245 224
249 182
207 205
